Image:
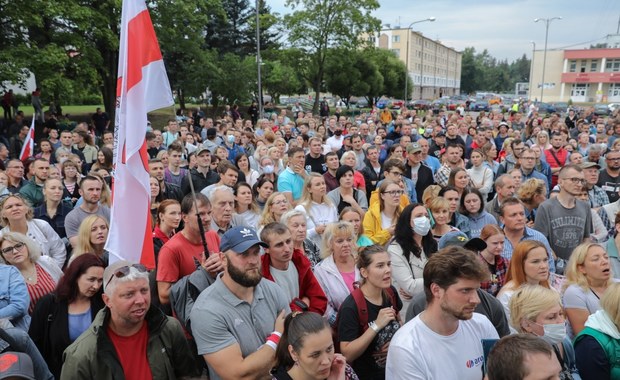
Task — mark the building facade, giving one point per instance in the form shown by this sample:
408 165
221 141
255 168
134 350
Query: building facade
435 69
584 75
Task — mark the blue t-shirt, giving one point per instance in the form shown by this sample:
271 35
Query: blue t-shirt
78 323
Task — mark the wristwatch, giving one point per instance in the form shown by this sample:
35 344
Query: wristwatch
373 325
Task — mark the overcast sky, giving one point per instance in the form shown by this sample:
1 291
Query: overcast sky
505 28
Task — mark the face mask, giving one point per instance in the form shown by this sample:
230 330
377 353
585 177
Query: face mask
554 333
414 132
268 169
604 146
231 139
338 133
429 131
421 225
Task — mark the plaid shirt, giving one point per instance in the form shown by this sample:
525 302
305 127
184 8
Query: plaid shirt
530 234
498 275
442 175
598 197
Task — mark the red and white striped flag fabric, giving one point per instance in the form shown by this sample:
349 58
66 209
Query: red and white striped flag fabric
142 87
28 147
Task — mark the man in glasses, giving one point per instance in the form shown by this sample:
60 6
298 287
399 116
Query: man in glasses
609 178
232 317
129 338
565 221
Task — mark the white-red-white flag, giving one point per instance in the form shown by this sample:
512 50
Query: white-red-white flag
142 87
28 147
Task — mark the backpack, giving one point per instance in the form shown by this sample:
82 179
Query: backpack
362 312
183 294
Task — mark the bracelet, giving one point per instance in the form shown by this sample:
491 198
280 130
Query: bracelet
272 345
279 334
275 338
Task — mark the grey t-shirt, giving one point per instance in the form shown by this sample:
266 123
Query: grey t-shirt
287 279
75 217
564 228
220 319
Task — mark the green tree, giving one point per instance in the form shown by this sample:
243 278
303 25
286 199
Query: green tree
228 32
351 72
316 25
233 80
279 79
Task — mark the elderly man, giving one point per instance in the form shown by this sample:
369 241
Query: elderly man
223 215
505 187
597 196
129 338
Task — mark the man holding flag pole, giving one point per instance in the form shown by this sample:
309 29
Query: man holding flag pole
130 338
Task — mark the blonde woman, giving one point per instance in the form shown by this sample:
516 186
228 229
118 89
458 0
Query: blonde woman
532 193
41 273
92 236
319 209
440 213
537 310
588 275
337 272
277 204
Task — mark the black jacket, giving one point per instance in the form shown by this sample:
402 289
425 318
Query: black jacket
200 181
425 179
49 328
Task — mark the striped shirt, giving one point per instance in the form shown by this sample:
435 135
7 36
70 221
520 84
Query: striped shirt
45 284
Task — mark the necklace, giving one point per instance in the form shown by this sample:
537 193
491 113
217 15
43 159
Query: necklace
32 276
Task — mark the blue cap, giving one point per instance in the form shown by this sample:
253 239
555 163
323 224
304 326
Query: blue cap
240 239
460 239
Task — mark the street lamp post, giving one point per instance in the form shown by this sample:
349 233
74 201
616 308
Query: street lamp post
431 19
547 21
532 68
258 62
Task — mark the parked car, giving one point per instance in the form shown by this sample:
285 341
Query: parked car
613 106
561 106
479 106
361 103
420 104
396 104
546 108
382 103
601 109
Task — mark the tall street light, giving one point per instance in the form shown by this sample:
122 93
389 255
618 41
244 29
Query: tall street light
532 68
547 21
431 19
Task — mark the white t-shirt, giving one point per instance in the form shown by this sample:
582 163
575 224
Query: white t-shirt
386 221
417 352
335 142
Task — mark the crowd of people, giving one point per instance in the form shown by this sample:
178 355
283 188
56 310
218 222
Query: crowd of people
326 246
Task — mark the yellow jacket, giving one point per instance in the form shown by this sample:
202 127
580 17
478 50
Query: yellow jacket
372 226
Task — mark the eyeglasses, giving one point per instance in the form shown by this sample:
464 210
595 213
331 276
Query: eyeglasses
396 173
283 202
15 167
124 271
613 159
394 192
11 250
577 180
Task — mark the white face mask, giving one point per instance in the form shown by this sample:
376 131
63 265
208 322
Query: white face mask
421 225
268 169
554 332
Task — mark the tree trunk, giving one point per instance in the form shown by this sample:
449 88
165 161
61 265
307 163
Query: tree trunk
181 97
109 76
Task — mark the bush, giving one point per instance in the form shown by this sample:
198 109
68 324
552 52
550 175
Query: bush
90 100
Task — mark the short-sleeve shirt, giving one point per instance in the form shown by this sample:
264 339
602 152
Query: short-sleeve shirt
177 257
291 182
564 228
220 319
77 215
365 366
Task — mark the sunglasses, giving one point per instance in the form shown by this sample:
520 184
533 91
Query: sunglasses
124 271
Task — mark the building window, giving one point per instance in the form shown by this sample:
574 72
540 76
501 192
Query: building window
612 65
572 66
614 90
582 69
396 52
593 66
372 39
395 38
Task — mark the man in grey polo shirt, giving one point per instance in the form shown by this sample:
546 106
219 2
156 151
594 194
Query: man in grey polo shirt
233 318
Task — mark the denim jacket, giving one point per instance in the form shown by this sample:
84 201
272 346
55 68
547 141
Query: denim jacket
14 298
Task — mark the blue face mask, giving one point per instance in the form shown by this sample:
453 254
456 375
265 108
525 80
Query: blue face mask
230 138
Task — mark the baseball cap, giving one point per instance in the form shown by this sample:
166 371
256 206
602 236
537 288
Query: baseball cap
201 148
441 134
413 148
16 365
240 239
211 132
503 123
460 239
588 165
